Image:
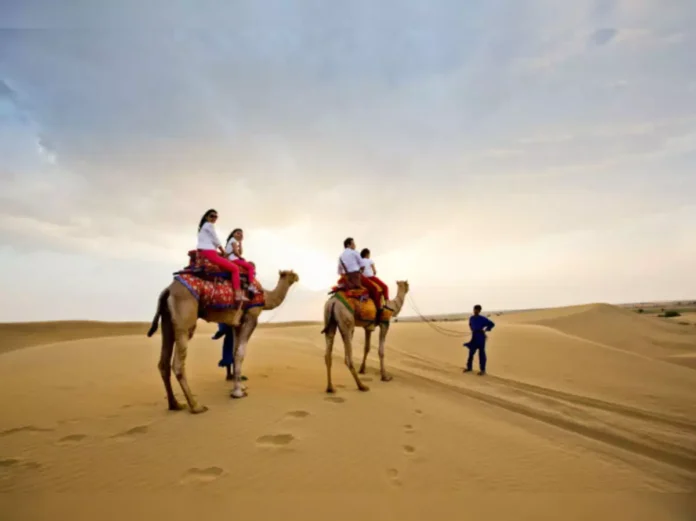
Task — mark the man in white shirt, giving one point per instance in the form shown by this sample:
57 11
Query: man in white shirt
349 264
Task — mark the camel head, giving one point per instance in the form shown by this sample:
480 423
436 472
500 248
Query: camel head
289 276
402 284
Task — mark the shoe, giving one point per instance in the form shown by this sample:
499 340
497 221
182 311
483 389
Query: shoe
481 373
218 335
466 371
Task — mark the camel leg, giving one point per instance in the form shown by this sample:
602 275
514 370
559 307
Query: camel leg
165 363
368 336
242 335
347 336
383 330
330 336
181 313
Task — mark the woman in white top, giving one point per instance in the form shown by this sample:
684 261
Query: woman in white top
210 248
370 271
234 252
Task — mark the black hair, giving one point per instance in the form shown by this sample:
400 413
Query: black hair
347 242
364 253
477 306
205 218
232 233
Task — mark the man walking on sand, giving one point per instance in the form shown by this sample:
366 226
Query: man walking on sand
478 325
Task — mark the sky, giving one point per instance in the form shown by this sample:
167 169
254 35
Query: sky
510 153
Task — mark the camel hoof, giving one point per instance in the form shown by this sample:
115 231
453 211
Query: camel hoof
362 370
199 409
387 378
177 406
330 390
238 393
364 388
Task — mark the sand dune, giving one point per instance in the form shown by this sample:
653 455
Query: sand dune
587 411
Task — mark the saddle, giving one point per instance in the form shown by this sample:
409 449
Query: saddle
212 287
359 302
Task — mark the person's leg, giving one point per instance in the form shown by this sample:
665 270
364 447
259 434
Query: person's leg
220 332
470 359
248 267
382 285
372 290
225 264
482 359
227 346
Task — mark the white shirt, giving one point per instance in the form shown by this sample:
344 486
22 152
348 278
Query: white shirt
229 249
351 259
207 238
368 265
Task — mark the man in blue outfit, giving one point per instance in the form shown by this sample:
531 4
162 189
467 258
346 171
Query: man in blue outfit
478 325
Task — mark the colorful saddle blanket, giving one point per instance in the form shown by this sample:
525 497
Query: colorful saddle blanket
212 288
216 294
358 301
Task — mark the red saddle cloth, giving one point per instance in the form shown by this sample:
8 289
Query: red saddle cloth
213 287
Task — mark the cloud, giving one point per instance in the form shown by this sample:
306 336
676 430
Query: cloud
603 36
402 124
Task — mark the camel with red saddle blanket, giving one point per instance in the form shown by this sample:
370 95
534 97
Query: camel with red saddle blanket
347 309
200 290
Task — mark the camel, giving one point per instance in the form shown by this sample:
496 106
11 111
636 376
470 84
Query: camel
338 317
179 312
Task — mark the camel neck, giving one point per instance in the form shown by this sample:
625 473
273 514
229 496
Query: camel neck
276 296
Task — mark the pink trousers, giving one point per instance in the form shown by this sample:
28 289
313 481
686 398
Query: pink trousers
249 267
214 257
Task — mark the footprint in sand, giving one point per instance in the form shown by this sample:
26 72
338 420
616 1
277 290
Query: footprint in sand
25 428
419 412
297 414
9 464
206 475
409 449
72 439
408 429
275 440
335 399
393 476
340 386
130 434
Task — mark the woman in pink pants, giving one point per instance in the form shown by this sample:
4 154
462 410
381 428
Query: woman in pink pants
234 252
210 248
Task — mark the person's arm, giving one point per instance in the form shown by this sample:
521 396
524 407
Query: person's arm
237 249
489 324
374 269
210 231
471 324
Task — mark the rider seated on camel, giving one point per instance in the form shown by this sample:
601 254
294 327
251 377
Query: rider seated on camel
370 272
234 252
349 265
210 248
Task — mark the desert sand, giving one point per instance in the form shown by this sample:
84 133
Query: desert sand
588 412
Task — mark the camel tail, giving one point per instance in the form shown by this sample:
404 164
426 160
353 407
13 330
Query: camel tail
161 307
328 317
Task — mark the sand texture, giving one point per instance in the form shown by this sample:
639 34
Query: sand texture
587 412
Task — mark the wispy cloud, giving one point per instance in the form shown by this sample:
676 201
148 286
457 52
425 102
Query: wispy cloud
399 123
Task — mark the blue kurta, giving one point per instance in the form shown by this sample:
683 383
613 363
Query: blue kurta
479 325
